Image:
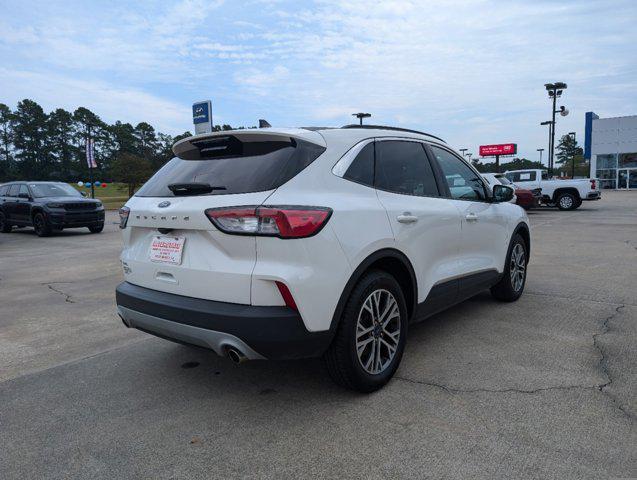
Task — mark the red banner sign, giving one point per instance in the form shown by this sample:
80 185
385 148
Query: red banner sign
499 149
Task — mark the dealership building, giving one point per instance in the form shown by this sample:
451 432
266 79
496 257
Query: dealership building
611 146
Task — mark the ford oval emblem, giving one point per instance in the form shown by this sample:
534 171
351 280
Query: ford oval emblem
164 204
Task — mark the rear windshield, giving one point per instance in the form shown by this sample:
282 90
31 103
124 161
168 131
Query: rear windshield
238 167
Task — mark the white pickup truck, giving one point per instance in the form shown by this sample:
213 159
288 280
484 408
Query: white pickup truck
565 194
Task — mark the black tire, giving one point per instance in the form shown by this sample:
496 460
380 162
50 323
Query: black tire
509 289
567 201
4 226
96 228
41 225
342 358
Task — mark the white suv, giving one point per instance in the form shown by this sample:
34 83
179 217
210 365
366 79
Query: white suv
289 243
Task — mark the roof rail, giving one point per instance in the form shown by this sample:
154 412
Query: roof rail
398 129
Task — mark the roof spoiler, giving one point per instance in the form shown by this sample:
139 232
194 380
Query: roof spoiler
195 147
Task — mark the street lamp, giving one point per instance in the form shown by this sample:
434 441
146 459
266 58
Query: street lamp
540 150
555 91
469 155
463 150
361 115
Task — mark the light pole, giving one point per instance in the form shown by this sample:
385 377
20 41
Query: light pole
361 115
463 150
572 134
555 91
469 155
540 150
550 124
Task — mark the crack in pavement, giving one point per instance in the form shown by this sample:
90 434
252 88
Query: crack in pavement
601 387
603 363
67 296
496 390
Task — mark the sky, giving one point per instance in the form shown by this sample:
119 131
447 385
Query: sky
469 71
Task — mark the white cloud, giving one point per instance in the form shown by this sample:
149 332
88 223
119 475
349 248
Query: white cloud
110 102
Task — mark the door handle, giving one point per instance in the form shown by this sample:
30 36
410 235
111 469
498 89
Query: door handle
407 218
471 217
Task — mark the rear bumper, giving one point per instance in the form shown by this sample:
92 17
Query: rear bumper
274 333
528 201
594 196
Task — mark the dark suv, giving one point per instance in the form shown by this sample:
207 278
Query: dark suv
48 207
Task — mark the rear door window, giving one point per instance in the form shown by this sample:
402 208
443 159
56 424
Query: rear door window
522 176
13 190
403 167
231 166
4 190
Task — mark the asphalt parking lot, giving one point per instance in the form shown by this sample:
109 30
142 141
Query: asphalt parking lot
542 388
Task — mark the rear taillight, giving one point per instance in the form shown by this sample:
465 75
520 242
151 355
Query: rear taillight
124 212
593 184
270 221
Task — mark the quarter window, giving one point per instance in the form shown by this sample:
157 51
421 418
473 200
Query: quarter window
464 183
4 190
403 167
361 169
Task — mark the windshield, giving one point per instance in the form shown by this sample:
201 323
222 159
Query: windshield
53 190
503 180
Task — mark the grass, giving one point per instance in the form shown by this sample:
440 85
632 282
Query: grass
113 196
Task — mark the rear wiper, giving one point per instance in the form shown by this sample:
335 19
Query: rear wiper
195 188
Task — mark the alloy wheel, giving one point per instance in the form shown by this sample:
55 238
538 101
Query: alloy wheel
378 331
38 224
566 202
517 267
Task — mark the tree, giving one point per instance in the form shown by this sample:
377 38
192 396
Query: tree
6 141
567 149
146 142
515 164
131 169
60 147
85 119
30 139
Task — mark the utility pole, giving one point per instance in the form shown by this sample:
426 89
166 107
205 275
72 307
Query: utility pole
540 150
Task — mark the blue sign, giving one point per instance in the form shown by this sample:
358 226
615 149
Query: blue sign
200 113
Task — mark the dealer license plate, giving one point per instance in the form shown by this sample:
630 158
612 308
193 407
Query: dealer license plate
165 249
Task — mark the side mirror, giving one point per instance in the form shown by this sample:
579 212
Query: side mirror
502 193
83 194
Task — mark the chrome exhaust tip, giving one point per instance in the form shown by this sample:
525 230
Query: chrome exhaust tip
236 356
